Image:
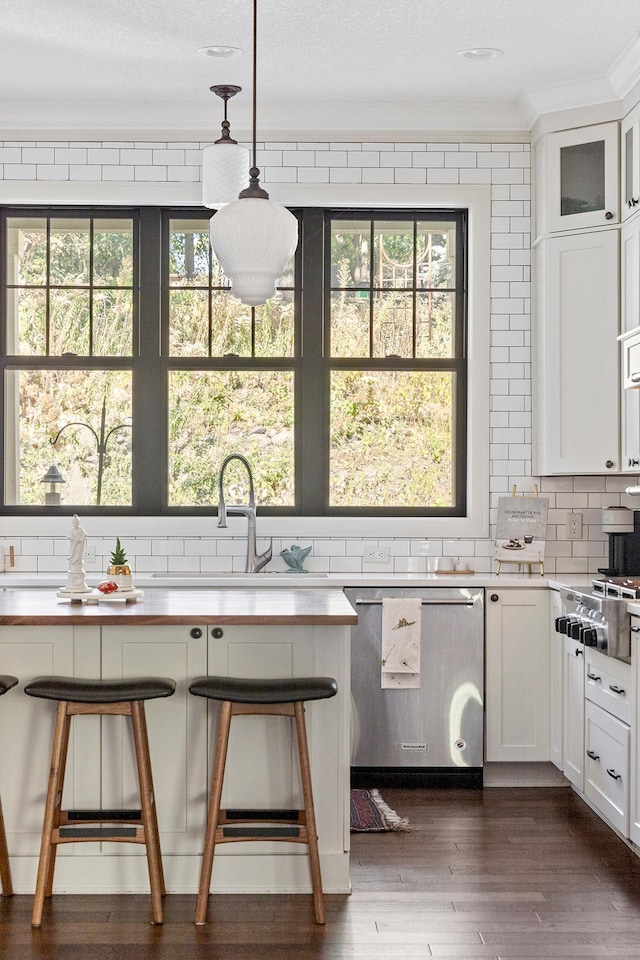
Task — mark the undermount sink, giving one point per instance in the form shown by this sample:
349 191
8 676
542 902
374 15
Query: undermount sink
270 579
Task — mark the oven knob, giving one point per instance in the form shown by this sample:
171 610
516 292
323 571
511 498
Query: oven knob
575 630
590 636
561 625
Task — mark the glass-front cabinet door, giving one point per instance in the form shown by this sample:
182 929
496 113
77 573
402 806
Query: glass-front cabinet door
630 166
582 181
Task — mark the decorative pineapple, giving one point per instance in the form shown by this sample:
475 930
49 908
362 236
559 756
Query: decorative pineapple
119 570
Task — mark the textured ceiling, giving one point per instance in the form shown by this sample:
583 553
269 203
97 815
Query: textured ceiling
320 55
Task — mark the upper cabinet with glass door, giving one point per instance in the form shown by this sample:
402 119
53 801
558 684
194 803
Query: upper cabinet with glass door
581 178
630 151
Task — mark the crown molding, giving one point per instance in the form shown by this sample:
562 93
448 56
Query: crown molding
624 73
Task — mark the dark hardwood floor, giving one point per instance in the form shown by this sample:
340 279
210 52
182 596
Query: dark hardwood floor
500 873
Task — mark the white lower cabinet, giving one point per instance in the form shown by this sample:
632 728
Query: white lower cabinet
609 704
607 765
26 732
517 675
573 701
556 682
177 728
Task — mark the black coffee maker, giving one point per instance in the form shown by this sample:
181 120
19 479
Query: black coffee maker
622 526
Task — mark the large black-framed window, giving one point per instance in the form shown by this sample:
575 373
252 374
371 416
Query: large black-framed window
347 392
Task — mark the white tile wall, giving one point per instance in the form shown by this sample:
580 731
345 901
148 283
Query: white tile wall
507 167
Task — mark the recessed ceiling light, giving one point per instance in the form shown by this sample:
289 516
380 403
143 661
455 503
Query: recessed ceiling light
220 51
481 53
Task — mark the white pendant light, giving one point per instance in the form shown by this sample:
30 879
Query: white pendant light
252 237
225 163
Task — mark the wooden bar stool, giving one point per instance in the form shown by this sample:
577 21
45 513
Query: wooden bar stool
6 682
284 697
89 697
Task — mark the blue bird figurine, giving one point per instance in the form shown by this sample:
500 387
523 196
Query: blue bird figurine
295 557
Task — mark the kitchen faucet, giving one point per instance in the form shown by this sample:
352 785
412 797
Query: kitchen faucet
255 562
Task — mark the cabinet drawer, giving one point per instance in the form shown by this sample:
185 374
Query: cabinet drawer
607 766
607 682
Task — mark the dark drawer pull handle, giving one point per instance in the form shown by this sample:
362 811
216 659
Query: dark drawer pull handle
578 652
635 629
614 775
592 676
594 756
615 689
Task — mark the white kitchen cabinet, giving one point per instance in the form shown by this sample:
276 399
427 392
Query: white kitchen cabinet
517 675
262 763
556 685
576 380
26 732
634 816
573 735
177 729
630 162
581 178
606 780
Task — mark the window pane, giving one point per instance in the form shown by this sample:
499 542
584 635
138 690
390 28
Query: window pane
113 253
436 255
393 324
27 322
393 254
189 253
215 413
69 253
230 325
26 251
39 404
69 312
189 323
112 323
350 253
350 324
435 315
275 326
391 439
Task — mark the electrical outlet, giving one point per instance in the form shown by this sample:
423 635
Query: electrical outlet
90 554
574 526
377 554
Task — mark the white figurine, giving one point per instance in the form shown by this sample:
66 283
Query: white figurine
75 581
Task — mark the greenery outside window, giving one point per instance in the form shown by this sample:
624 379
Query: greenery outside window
121 342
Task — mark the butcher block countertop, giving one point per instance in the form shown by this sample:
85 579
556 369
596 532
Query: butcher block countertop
279 607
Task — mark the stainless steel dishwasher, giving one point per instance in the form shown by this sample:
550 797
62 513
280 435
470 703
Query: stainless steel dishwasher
431 735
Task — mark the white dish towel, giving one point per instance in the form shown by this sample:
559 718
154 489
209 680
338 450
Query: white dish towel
400 655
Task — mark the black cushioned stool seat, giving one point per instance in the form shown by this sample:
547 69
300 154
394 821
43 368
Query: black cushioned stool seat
6 682
275 697
78 697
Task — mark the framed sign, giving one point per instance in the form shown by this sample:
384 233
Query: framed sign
521 530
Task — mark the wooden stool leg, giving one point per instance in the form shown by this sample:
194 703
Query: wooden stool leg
214 812
46 863
5 868
147 803
310 817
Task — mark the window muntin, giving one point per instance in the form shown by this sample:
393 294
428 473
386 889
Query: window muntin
69 286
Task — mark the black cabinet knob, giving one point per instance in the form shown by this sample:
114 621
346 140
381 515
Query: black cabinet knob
217 632
494 598
608 215
196 633
609 464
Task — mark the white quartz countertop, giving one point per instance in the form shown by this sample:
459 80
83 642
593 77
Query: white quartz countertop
150 581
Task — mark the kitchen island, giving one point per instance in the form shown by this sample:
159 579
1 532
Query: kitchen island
180 634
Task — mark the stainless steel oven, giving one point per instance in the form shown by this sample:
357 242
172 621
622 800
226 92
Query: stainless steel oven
599 618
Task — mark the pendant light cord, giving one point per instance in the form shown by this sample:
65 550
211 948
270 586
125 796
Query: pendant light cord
254 190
